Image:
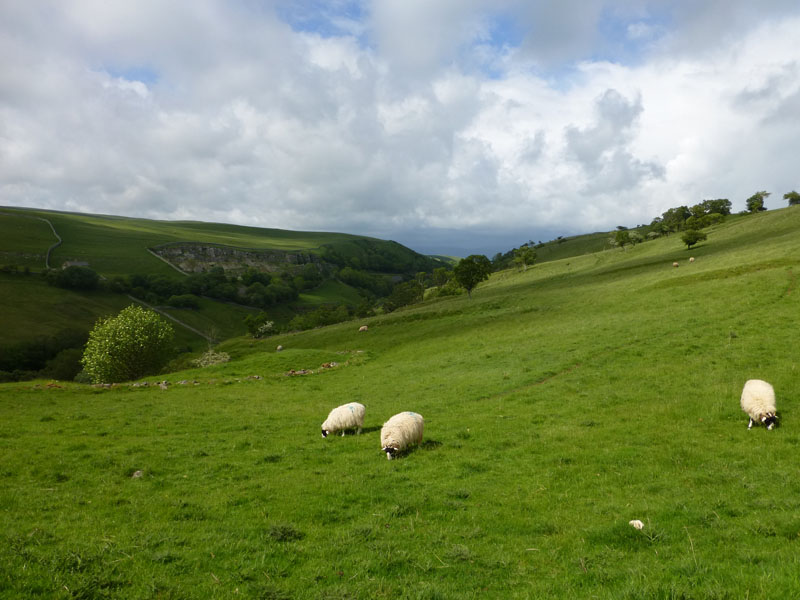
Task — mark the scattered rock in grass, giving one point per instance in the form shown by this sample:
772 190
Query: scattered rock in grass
293 372
163 385
636 524
137 474
254 377
330 365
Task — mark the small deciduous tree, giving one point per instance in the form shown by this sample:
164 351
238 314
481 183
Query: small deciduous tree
470 271
691 236
622 238
793 198
755 203
524 256
136 342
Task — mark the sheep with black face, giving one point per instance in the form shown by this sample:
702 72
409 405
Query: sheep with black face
758 401
346 416
400 432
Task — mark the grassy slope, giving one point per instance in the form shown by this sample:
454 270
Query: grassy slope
25 240
117 246
560 403
53 309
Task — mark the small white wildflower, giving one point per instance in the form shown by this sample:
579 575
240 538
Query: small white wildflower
636 524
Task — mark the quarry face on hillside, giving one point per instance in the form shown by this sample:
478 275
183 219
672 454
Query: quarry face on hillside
197 258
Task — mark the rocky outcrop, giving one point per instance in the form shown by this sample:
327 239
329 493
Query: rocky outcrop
197 258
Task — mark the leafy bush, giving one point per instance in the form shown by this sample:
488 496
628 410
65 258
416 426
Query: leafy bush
324 315
73 278
211 357
136 342
259 325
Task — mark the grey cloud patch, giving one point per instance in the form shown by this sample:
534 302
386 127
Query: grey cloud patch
602 148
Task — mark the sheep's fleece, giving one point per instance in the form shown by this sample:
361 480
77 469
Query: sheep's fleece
758 401
400 432
346 416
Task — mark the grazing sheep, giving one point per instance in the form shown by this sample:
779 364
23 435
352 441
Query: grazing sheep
363 328
636 524
691 259
400 432
675 264
758 401
346 416
279 348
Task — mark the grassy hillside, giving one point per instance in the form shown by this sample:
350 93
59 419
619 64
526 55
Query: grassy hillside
560 403
118 246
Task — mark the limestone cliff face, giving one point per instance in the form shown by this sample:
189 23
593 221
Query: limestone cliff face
197 258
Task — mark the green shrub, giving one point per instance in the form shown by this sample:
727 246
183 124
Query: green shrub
136 342
73 278
211 357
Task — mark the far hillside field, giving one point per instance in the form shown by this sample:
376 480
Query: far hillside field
122 247
560 403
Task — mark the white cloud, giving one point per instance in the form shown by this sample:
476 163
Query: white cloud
404 116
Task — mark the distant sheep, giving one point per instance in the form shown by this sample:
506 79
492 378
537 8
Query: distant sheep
758 401
675 264
363 328
279 348
346 416
691 259
400 432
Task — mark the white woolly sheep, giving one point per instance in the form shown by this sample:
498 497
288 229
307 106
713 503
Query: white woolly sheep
675 264
363 328
400 432
346 416
758 401
691 259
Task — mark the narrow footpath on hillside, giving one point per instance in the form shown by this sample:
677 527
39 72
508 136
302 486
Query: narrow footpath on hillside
210 340
53 229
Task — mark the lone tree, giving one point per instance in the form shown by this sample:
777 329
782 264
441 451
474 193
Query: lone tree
524 255
136 342
793 198
691 236
622 238
470 271
755 203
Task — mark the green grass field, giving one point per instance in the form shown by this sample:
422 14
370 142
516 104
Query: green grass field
560 403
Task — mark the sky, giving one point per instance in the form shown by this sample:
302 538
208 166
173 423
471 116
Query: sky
451 126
